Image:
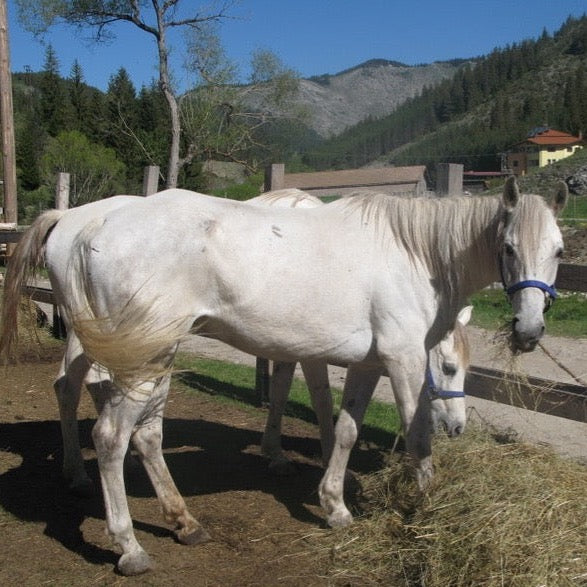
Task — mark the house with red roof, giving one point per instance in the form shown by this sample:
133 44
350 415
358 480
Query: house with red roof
541 147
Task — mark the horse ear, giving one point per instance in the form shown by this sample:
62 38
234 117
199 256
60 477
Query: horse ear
511 193
464 315
559 200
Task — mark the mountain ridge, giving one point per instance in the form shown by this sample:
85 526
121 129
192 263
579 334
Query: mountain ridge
372 89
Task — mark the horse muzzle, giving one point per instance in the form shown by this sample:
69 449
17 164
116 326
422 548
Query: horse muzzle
525 337
453 425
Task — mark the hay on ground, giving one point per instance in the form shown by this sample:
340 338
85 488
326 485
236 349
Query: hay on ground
497 514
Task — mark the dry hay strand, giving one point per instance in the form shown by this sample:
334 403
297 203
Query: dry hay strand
514 386
497 514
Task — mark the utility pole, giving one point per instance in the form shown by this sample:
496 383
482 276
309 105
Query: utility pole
7 122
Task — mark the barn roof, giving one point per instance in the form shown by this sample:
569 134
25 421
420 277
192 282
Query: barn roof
345 178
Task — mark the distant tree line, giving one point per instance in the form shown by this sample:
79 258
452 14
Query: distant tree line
472 117
104 139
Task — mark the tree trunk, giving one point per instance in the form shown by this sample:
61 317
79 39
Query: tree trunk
173 164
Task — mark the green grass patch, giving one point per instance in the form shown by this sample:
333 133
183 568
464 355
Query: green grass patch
575 210
236 384
566 317
241 191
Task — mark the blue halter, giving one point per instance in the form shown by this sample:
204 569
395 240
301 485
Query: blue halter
436 392
549 290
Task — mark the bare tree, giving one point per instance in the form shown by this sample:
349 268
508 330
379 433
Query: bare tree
155 17
220 117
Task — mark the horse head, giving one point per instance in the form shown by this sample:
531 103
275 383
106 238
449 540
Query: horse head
445 377
530 252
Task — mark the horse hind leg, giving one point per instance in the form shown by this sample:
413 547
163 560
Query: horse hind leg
67 386
147 439
120 412
316 375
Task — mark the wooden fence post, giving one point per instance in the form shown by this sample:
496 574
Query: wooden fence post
7 147
449 179
62 191
274 177
150 180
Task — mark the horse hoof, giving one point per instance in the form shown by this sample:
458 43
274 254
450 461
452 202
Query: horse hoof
134 564
340 519
84 489
196 537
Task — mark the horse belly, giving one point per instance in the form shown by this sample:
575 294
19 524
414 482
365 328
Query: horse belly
291 338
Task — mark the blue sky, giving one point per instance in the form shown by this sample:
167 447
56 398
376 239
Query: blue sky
312 36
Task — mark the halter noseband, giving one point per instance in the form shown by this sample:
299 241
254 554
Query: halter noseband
549 290
436 392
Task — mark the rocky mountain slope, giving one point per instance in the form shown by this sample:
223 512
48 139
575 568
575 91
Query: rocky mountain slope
374 88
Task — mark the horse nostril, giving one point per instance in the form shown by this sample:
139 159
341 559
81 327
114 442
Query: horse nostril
449 369
456 431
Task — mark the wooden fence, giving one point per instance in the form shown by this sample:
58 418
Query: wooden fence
550 397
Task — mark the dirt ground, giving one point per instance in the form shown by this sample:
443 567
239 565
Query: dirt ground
258 522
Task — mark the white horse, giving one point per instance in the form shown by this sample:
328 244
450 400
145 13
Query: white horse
257 278
445 374
52 236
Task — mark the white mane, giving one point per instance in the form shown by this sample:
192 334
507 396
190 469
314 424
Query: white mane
441 233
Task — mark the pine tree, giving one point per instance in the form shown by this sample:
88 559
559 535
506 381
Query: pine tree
54 104
79 97
122 116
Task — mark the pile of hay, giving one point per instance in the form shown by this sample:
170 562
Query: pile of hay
498 514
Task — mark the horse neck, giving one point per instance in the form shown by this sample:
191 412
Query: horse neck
480 266
468 244
469 240
454 240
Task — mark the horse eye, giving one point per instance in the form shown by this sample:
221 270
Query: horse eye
509 250
560 254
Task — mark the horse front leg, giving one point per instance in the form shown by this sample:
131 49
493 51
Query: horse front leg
111 434
316 375
279 387
147 438
67 387
407 375
359 386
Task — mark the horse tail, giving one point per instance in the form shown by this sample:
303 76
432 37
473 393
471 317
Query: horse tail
26 259
131 342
